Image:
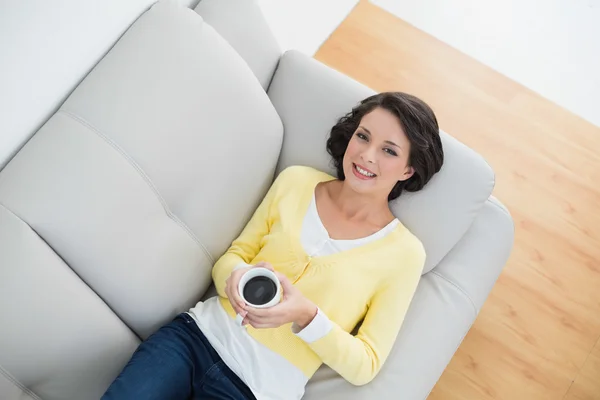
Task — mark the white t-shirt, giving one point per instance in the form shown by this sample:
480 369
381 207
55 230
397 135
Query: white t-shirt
268 375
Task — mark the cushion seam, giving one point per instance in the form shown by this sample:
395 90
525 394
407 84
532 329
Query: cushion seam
15 215
143 175
460 289
11 212
18 384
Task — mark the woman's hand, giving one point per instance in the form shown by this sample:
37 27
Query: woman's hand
294 307
232 283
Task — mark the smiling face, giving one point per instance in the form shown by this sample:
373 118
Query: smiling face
377 156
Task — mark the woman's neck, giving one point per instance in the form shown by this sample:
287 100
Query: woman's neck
359 207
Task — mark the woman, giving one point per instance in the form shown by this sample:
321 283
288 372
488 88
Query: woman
341 257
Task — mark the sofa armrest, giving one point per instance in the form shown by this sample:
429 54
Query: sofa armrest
445 306
488 243
243 25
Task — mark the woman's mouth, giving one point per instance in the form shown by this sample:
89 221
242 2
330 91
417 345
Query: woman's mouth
362 173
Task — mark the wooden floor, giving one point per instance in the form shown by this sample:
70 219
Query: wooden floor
537 337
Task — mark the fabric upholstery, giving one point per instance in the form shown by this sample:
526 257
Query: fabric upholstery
58 338
487 242
310 96
11 389
104 235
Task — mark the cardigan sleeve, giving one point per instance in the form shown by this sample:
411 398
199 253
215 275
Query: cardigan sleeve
248 244
316 329
359 358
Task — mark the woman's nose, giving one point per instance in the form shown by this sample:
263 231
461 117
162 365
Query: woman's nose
368 155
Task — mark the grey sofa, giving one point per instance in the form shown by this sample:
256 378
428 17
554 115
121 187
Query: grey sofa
113 213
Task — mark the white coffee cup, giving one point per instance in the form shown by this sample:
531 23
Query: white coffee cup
270 283
260 288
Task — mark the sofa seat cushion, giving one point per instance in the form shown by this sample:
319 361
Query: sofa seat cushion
58 339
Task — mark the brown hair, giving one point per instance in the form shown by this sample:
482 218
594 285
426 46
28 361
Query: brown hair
419 124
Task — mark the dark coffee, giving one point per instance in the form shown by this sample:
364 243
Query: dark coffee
259 290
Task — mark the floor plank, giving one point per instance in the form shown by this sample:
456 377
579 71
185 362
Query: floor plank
587 384
542 319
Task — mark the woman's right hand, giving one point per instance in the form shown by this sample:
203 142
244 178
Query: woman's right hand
232 283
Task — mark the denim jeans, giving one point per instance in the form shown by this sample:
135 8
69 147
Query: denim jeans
177 363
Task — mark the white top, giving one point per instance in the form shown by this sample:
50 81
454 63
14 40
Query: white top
269 375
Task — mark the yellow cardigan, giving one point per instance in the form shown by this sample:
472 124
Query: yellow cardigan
375 281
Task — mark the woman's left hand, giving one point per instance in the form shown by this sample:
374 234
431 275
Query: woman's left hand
294 307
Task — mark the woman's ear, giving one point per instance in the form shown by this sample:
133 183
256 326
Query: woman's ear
407 173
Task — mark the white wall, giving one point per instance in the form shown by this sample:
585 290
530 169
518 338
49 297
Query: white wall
304 24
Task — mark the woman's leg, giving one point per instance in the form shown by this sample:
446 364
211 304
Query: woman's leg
220 383
164 366
177 362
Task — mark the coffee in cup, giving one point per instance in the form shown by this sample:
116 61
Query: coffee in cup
260 288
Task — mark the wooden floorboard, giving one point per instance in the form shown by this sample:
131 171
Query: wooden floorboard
587 383
534 337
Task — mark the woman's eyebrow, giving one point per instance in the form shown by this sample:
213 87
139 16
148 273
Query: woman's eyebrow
364 129
393 144
386 141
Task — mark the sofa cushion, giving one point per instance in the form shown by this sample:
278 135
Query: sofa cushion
105 221
151 167
58 339
310 97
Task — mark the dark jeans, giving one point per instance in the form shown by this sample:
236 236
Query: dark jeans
177 362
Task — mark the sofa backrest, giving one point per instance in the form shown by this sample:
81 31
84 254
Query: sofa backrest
151 167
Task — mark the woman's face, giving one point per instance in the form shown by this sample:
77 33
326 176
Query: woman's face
377 155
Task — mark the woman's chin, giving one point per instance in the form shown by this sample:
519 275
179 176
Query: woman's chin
360 185
369 187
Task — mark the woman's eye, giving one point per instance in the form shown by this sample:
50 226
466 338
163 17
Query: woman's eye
390 151
361 136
